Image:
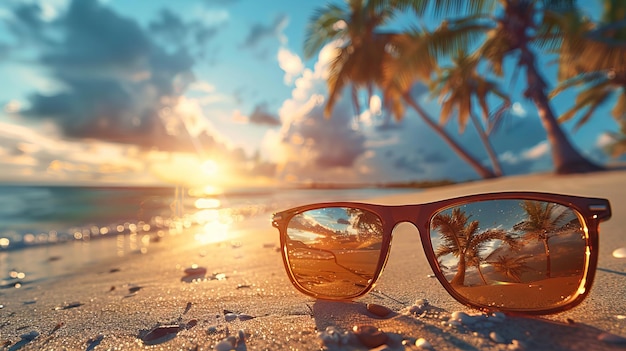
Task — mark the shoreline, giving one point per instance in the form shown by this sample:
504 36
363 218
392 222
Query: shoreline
115 304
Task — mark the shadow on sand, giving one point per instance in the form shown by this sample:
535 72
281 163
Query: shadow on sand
531 333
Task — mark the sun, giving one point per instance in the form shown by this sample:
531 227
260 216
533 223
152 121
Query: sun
210 167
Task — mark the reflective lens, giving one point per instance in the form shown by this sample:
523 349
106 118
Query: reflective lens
334 251
512 254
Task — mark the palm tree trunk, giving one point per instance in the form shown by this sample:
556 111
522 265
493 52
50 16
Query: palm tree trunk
459 277
480 272
548 262
480 169
565 157
485 140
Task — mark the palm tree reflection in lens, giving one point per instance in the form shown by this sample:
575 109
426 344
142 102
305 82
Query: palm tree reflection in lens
517 254
334 251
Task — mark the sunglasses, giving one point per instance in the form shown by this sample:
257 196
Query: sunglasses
520 252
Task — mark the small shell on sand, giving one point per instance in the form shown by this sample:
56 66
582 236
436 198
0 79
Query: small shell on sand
218 276
195 270
232 343
423 344
68 306
192 323
462 318
229 317
370 335
224 345
378 310
620 253
245 317
422 302
160 334
187 307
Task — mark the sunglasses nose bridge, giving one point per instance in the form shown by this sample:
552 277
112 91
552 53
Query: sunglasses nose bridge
409 214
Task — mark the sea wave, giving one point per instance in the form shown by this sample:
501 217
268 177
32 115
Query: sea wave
45 215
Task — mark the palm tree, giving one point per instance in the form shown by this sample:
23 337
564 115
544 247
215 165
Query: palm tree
593 56
513 28
511 266
475 260
457 88
358 58
361 58
462 238
543 222
368 225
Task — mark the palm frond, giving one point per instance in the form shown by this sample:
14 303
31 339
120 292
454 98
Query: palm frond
464 106
593 103
447 109
591 79
481 239
562 6
338 78
451 227
449 39
511 266
590 99
395 104
552 28
496 118
322 28
494 49
419 7
447 8
409 61
446 250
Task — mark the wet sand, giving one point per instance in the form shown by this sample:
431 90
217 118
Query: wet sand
147 301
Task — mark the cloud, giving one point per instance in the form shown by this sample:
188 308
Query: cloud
169 25
604 140
259 32
38 155
518 109
118 84
262 117
173 30
310 147
25 22
290 63
537 151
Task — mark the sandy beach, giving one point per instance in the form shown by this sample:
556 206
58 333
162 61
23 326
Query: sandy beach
147 301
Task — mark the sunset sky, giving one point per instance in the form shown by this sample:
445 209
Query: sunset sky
207 92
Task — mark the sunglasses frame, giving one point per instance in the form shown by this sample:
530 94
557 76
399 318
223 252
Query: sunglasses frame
592 210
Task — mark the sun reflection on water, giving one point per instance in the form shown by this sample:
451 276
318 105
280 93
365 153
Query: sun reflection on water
203 203
215 223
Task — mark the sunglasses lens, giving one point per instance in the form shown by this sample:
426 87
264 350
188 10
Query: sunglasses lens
513 254
334 252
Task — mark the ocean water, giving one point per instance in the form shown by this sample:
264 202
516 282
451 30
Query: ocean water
48 232
33 216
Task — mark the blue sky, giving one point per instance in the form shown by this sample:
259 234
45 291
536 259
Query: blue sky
214 92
